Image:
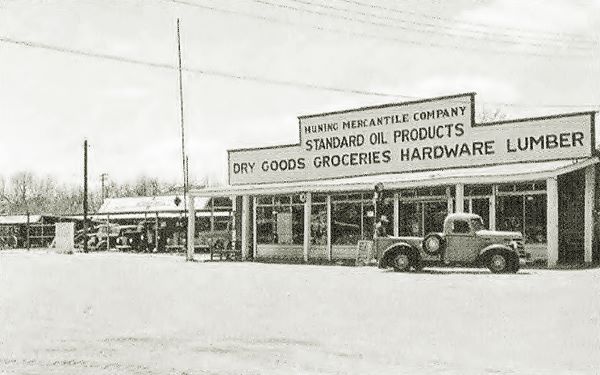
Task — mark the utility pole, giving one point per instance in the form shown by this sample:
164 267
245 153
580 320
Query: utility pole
189 209
103 177
183 157
28 230
187 172
85 195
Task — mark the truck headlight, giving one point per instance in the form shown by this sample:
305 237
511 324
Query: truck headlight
513 244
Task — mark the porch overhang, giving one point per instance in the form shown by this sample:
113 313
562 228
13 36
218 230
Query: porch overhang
502 173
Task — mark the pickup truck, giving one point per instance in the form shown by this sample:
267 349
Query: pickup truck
464 242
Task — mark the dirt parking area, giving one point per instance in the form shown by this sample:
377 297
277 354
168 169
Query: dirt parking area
110 313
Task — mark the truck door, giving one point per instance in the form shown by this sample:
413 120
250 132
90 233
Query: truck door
461 243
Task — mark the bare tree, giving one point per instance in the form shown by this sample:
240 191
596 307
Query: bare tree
26 192
490 115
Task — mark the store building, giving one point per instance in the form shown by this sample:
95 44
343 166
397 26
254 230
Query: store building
313 200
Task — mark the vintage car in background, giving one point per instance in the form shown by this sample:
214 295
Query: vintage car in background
464 242
131 238
103 237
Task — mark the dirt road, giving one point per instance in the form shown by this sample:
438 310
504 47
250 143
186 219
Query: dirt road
111 313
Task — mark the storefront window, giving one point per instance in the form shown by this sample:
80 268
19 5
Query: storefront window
522 208
265 225
369 220
510 213
203 224
279 221
420 218
221 203
318 224
535 219
386 208
435 213
221 223
346 223
481 207
410 219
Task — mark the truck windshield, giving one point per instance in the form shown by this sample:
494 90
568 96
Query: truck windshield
477 224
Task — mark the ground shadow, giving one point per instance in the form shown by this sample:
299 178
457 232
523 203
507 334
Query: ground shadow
481 272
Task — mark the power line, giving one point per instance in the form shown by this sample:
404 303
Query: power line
435 29
476 25
279 82
191 70
387 25
382 37
73 51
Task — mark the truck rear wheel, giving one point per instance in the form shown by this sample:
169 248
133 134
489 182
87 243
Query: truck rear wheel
401 262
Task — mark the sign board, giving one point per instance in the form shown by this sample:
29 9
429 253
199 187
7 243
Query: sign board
64 238
414 136
284 228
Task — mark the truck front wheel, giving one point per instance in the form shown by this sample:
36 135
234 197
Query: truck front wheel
499 263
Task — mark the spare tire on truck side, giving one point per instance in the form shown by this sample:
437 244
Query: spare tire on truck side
434 244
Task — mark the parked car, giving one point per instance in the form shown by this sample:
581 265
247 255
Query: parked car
130 238
463 242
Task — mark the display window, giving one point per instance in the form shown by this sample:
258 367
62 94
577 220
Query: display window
419 218
221 223
522 208
318 220
422 211
410 219
477 201
346 223
280 220
353 217
220 203
203 224
481 207
435 214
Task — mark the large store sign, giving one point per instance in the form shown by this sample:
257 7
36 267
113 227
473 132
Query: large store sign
415 136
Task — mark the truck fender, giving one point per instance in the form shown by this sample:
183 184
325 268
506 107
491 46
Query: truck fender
493 248
392 249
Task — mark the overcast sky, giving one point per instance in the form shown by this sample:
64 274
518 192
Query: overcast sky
105 71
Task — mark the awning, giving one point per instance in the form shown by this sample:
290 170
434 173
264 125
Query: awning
142 216
503 173
149 205
19 219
